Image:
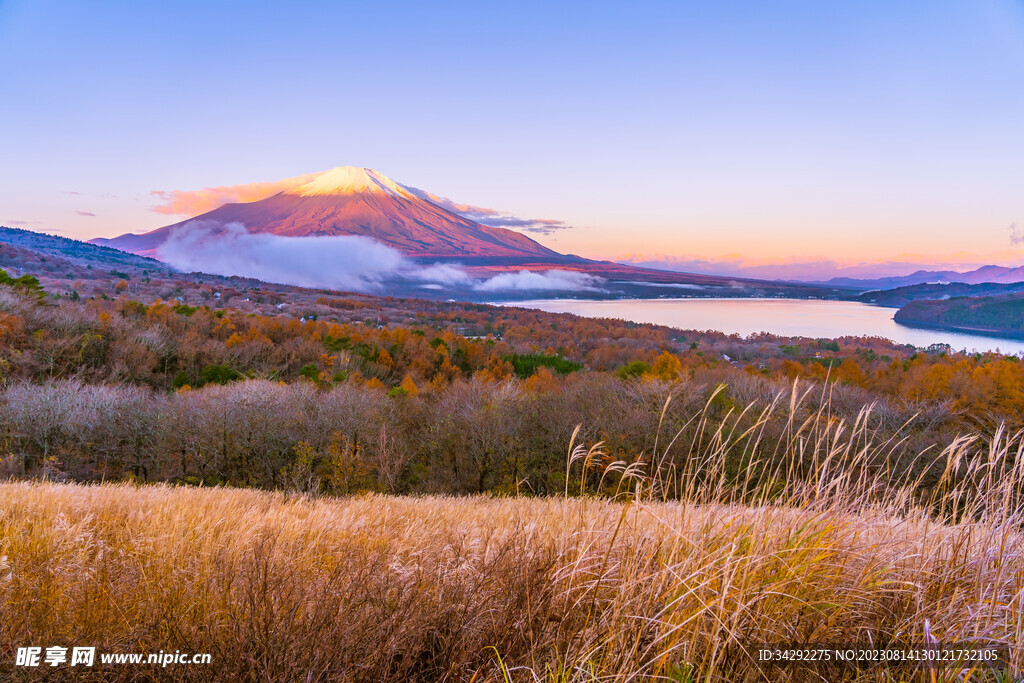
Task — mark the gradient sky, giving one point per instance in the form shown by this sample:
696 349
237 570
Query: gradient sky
733 131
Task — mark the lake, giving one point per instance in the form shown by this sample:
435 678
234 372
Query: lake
785 317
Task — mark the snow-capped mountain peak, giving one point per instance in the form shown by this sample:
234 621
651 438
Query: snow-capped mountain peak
349 180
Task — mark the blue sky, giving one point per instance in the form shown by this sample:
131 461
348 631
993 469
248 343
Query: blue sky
741 132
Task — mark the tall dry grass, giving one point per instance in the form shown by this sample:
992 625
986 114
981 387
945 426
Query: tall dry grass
817 537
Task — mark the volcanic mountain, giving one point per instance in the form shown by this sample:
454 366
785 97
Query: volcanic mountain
362 202
359 201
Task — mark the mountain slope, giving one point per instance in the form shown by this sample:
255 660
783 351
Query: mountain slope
358 201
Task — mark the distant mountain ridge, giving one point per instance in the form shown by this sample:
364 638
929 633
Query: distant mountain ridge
997 274
900 296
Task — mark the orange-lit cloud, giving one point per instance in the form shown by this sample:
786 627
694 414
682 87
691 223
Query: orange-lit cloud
195 202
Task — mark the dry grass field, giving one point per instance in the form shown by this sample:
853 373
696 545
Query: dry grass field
281 587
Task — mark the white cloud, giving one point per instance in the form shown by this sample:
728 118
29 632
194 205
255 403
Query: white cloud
560 280
349 262
344 262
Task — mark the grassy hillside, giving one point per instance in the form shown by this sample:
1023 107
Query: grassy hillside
1002 314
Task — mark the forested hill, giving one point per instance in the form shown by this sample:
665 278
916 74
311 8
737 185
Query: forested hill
1002 315
987 308
41 253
